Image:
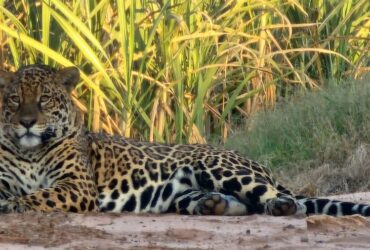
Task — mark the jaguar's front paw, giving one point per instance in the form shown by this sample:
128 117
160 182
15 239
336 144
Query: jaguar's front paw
6 207
10 206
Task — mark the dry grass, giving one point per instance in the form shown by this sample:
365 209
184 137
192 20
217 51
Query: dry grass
328 179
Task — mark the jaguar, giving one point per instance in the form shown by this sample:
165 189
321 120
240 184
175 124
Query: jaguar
50 162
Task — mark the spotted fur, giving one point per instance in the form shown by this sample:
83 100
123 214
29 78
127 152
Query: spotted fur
60 167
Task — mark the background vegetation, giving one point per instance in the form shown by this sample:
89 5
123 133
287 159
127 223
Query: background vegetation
322 139
321 126
179 70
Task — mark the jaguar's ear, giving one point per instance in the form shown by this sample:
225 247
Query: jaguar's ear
68 77
5 79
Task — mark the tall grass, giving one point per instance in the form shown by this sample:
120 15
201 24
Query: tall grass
176 70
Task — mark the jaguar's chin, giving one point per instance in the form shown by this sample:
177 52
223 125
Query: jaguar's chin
30 141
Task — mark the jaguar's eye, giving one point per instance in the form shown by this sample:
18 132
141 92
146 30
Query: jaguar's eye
15 99
44 98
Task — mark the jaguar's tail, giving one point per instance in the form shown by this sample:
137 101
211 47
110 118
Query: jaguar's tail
312 206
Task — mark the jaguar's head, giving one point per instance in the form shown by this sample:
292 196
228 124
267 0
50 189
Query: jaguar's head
36 106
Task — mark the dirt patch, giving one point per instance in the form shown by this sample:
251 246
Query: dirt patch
329 223
129 231
47 230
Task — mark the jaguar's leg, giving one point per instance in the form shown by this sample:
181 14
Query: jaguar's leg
208 203
63 197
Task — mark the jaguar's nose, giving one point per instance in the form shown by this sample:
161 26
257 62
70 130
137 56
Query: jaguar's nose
28 121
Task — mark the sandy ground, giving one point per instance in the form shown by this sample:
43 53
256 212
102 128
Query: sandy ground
129 231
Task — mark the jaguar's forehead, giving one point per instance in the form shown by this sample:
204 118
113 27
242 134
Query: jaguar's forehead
36 79
34 75
31 79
